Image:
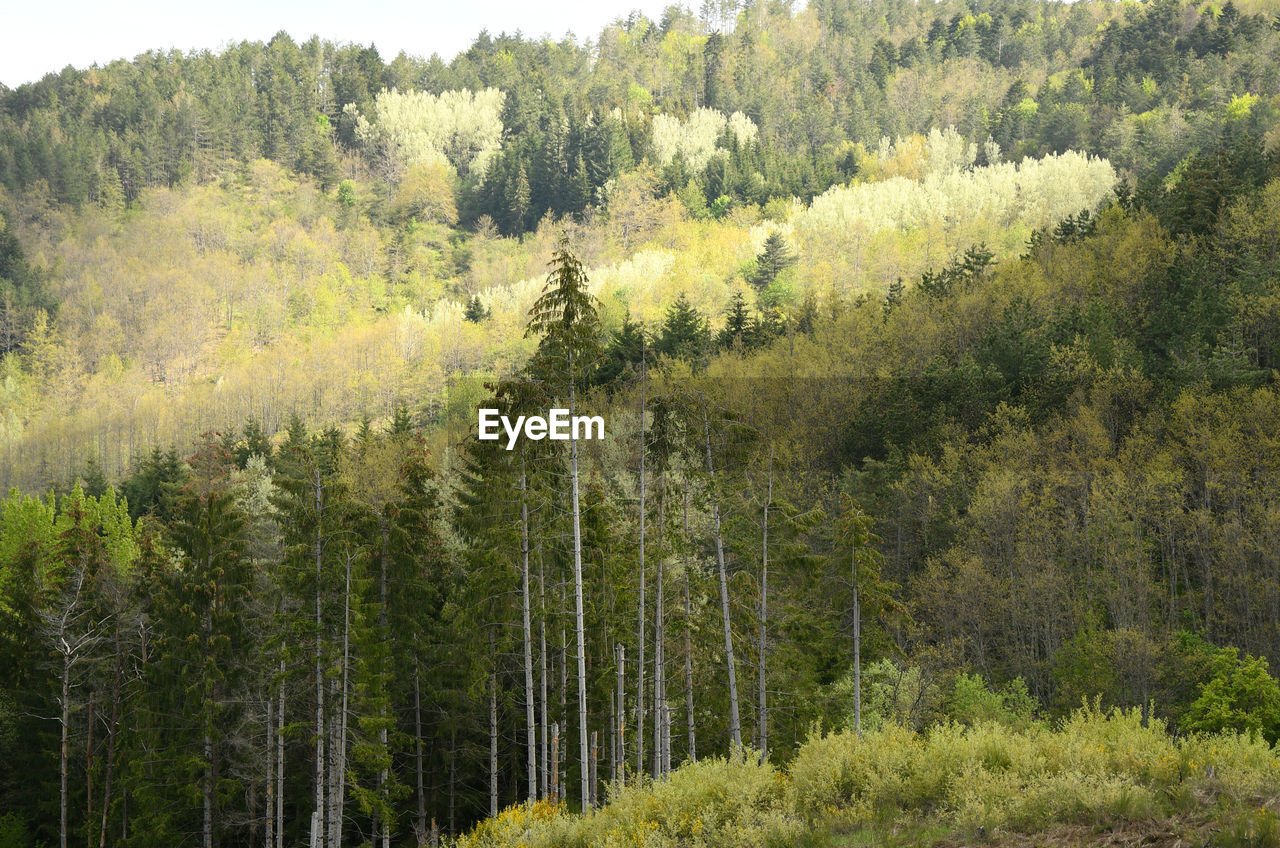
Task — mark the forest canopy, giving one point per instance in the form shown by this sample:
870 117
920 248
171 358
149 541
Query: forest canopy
937 346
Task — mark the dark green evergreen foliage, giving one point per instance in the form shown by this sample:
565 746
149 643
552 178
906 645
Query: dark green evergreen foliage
401 422
475 311
92 479
1209 182
154 483
746 331
622 354
1125 386
772 261
165 117
205 621
893 296
684 333
958 274
738 330
254 442
22 292
566 318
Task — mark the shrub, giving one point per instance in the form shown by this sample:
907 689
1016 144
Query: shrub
1241 695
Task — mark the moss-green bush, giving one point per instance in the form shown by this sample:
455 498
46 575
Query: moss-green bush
1095 768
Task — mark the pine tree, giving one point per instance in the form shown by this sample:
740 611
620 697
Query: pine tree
772 261
684 333
565 316
738 325
475 311
622 354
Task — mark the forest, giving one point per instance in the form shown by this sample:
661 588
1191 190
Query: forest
937 349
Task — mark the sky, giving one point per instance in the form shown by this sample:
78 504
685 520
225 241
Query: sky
40 36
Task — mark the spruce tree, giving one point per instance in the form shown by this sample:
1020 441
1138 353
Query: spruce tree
684 333
772 261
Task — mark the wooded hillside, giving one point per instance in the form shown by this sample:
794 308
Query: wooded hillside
936 345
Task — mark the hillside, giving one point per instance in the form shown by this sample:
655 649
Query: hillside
936 346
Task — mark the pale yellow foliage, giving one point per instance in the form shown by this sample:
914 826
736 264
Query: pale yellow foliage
695 138
460 127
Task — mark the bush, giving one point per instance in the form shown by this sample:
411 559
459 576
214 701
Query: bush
972 702
1241 695
1095 768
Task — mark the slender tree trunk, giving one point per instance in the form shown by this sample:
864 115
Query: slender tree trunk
206 779
88 773
111 747
453 779
555 763
762 707
659 673
620 727
318 817
280 762
340 773
493 736
579 617
270 834
531 726
643 612
66 724
857 650
735 722
594 761
421 829
613 729
542 648
382 829
690 724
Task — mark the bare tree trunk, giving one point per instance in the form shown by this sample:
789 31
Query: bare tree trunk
620 726
542 643
206 794
857 650
493 735
88 772
735 722
531 726
762 708
57 626
594 764
318 817
417 752
453 779
555 763
270 834
382 829
206 779
659 674
640 637
690 726
111 745
579 617
338 777
67 661
280 762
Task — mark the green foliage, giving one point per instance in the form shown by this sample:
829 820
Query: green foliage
772 261
684 333
1098 769
972 702
1240 696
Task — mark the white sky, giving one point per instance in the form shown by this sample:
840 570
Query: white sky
43 36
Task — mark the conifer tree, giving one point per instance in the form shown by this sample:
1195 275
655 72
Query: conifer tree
566 318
